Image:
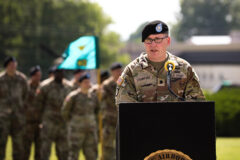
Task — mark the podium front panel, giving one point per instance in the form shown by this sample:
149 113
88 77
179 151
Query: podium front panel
144 128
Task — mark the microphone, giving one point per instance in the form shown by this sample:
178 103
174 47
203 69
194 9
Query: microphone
169 67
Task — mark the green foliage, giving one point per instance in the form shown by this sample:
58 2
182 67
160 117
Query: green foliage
109 50
207 17
38 32
124 58
227 108
234 15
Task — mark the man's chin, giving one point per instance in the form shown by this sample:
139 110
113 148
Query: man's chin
153 53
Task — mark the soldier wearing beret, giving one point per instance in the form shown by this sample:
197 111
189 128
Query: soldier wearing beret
49 99
32 130
109 112
77 74
13 93
80 111
145 78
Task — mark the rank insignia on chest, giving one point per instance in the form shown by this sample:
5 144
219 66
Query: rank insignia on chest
161 82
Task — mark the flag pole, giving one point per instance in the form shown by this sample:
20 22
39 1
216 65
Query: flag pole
100 113
99 98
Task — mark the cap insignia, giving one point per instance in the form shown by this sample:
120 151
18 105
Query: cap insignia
159 27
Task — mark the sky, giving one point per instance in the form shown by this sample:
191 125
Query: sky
128 15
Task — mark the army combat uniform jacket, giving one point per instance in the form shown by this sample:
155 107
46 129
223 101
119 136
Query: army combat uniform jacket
81 109
141 82
13 93
50 97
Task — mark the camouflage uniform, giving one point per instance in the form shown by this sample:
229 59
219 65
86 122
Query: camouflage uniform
13 92
50 97
141 82
32 130
109 118
80 111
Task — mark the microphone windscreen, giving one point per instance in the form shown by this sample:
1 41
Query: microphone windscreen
169 64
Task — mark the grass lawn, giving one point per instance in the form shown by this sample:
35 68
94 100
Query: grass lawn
227 149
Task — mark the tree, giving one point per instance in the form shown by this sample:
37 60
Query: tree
234 15
110 47
38 32
206 17
227 110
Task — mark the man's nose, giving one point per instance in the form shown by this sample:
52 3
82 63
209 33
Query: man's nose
153 43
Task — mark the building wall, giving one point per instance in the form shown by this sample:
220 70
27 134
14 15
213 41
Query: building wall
211 76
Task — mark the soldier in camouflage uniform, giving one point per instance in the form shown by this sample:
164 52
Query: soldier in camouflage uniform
109 113
32 130
80 111
145 79
50 97
13 92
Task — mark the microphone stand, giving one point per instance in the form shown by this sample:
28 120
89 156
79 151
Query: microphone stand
169 85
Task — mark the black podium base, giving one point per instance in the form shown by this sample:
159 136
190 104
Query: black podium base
144 128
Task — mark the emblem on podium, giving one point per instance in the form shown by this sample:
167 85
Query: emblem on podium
167 154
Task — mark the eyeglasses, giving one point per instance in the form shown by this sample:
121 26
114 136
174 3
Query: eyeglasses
156 40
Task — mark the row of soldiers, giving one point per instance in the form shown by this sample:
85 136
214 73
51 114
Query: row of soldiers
57 110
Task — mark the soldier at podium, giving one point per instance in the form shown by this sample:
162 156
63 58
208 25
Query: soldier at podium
149 76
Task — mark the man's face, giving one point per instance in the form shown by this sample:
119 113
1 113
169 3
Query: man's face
12 66
116 73
78 75
156 44
37 76
58 75
85 84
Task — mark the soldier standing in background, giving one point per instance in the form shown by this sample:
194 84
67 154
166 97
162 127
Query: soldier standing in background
109 113
80 110
50 97
77 74
13 93
32 130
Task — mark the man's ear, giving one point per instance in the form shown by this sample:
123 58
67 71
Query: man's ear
169 40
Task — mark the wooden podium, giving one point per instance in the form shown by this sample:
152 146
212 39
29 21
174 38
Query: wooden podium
188 127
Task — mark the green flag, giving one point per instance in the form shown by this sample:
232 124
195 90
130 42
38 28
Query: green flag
81 54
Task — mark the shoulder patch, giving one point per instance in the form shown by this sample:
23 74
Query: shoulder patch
120 81
67 98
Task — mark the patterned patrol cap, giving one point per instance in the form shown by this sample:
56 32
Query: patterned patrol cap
154 27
